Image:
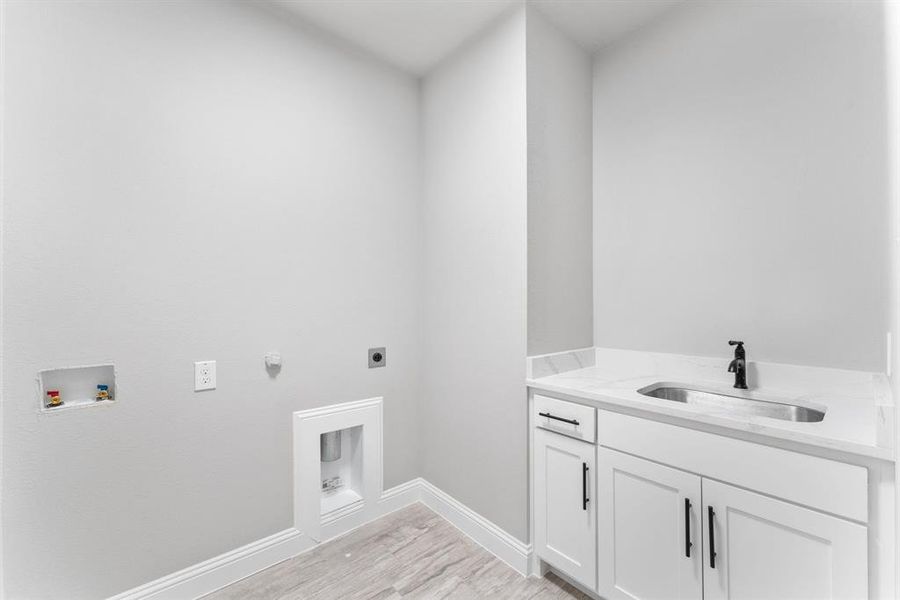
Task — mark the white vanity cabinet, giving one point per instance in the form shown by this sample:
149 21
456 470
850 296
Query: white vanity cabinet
668 534
650 531
637 509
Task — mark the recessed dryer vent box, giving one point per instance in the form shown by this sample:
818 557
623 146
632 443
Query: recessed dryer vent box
341 467
77 387
337 467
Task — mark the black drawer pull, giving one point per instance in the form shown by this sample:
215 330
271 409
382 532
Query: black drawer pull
687 527
555 418
712 538
584 481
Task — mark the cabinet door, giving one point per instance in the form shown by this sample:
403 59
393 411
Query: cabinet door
649 527
564 514
769 549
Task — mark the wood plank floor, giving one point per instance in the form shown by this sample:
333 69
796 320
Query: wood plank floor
410 554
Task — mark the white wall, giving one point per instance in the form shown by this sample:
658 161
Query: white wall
188 181
3 51
740 184
892 47
472 416
560 301
892 80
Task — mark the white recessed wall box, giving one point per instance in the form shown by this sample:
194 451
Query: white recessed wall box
337 467
66 388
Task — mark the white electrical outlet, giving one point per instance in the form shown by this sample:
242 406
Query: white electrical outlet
204 375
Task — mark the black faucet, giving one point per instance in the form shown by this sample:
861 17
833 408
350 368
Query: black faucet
739 365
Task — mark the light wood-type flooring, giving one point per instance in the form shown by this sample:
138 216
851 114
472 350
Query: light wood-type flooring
410 554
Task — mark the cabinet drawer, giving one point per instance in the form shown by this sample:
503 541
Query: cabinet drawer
567 418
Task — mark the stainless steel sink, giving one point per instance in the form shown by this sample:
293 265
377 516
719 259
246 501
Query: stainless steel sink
734 405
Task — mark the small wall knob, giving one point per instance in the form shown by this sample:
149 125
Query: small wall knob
273 360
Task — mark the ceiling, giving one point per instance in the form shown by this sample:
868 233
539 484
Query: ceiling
597 23
415 35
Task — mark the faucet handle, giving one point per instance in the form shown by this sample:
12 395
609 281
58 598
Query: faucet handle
735 343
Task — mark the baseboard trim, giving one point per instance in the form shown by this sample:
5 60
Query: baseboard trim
509 549
225 569
400 496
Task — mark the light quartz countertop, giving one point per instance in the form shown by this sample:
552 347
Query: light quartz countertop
858 409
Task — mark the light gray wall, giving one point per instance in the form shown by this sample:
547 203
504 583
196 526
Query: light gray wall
892 70
3 51
472 415
190 181
560 301
739 182
892 47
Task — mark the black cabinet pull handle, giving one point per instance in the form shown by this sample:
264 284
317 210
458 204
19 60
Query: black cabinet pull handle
584 479
687 527
554 417
712 538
